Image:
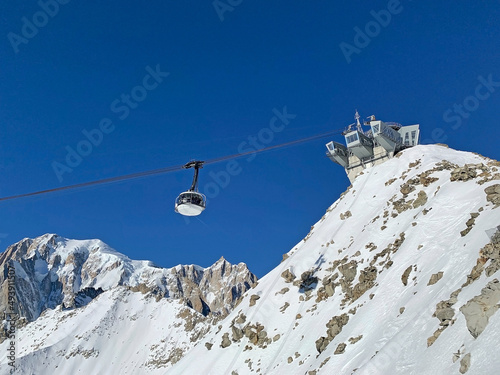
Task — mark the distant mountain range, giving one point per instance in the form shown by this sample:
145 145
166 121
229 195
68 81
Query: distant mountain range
77 286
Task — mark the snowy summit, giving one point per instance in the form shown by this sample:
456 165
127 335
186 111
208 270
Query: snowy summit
400 276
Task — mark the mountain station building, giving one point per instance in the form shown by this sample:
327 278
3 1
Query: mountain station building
365 149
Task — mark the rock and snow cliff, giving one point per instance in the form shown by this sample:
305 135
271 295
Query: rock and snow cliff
51 270
400 276
75 298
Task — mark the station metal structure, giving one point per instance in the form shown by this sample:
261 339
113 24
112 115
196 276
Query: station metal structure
373 146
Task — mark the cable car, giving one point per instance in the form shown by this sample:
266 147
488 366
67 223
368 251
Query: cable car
191 202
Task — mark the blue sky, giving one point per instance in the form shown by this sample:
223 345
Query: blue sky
229 71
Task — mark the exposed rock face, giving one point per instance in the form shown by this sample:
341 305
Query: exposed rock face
52 271
254 299
444 309
308 281
470 223
465 363
406 274
493 194
465 173
217 289
491 251
334 326
349 271
421 199
36 287
366 279
345 215
445 312
340 348
288 276
85 295
225 341
479 309
435 278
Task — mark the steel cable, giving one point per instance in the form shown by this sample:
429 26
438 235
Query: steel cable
167 169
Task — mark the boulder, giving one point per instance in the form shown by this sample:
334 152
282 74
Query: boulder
493 194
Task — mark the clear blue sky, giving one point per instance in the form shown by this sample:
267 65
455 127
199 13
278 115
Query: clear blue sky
68 74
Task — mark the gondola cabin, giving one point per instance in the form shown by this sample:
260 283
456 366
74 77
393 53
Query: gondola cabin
191 202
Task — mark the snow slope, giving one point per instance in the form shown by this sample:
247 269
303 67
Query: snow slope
121 332
379 284
87 308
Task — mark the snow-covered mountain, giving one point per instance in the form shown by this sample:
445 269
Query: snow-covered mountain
75 298
400 276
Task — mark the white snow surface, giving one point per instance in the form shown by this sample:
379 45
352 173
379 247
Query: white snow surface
122 332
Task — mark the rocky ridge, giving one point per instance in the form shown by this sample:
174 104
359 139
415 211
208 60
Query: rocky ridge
59 281
52 271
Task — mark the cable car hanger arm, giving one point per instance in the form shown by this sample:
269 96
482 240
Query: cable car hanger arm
196 164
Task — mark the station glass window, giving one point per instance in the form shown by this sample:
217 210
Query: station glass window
352 138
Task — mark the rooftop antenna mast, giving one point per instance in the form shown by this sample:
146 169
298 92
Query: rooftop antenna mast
358 124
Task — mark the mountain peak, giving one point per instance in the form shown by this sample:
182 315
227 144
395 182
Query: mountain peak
402 256
57 270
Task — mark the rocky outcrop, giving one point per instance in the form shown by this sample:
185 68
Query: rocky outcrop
435 278
84 296
307 281
253 299
215 290
475 308
465 363
479 309
445 313
334 326
345 215
470 223
480 172
288 276
465 173
366 280
225 341
405 275
493 194
420 200
340 348
491 251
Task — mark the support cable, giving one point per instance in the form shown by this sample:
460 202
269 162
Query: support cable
170 169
